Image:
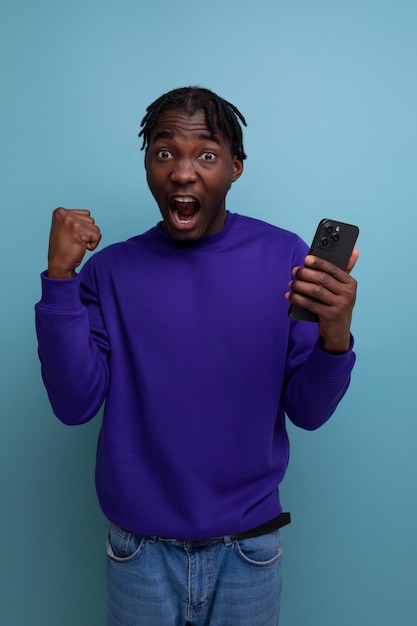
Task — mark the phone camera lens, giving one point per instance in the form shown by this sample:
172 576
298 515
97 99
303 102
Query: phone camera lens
324 242
335 237
328 229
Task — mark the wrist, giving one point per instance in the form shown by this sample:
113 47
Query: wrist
335 347
59 273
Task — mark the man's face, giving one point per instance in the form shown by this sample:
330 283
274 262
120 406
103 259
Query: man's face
189 172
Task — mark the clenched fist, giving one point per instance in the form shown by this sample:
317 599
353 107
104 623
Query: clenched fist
73 231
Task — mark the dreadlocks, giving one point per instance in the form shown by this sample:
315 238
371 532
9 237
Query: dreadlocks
218 113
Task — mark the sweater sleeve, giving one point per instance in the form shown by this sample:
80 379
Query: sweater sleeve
74 360
316 384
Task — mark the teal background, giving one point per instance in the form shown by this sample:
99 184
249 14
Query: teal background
329 92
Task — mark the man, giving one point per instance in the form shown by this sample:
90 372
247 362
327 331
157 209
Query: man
184 333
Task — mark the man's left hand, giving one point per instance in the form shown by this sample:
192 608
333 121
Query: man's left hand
330 293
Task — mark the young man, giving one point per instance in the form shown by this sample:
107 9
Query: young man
183 332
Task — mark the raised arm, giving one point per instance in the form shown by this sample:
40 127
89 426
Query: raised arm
73 356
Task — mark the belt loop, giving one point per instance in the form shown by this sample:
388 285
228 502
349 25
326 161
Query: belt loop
227 540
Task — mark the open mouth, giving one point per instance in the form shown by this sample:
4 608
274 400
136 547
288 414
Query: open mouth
184 209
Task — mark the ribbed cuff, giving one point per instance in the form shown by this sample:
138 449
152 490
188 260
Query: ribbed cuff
60 294
332 364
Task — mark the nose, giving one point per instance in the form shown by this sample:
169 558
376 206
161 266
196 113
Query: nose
184 172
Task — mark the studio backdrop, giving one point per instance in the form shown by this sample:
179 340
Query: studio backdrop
329 92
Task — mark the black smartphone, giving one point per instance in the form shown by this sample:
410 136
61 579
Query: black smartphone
334 241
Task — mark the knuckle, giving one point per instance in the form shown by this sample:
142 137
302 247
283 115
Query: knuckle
323 278
59 212
318 292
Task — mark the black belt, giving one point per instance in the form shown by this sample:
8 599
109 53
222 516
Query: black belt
274 524
278 522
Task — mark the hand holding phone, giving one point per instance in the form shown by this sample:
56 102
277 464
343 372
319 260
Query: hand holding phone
334 242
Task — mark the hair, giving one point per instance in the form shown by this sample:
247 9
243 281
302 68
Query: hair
219 113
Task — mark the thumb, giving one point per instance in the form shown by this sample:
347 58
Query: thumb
352 261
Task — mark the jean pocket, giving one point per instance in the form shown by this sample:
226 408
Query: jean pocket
122 545
263 551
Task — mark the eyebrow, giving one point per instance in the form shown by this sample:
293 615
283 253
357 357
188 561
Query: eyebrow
165 134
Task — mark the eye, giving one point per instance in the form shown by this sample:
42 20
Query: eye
164 154
208 156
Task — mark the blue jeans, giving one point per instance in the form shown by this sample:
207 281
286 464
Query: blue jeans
154 582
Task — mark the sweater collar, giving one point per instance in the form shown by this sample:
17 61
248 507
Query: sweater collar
207 240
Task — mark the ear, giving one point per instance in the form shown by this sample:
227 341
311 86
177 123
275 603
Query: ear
237 168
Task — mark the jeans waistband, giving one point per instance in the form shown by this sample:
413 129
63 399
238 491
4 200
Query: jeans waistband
274 524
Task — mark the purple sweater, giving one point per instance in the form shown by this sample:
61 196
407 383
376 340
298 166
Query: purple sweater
191 348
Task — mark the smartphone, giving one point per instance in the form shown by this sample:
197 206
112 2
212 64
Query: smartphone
334 241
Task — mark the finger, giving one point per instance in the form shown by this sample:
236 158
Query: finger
318 270
93 241
352 261
63 211
61 215
317 263
334 279
326 293
81 212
